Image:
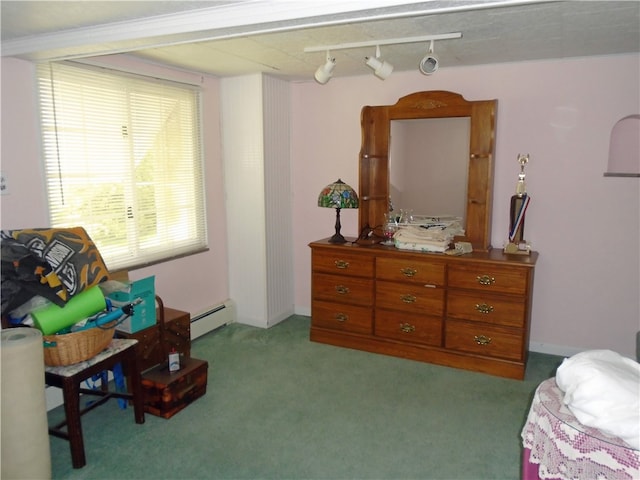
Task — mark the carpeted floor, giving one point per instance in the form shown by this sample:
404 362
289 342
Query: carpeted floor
280 407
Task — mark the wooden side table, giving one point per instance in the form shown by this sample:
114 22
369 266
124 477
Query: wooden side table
69 378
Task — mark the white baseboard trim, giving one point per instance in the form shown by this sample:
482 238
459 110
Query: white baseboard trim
305 311
53 395
550 349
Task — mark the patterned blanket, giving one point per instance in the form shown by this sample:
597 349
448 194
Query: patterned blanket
55 263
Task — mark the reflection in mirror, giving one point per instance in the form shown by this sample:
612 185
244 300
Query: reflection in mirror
428 166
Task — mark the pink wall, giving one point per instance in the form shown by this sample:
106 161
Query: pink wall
193 283
586 227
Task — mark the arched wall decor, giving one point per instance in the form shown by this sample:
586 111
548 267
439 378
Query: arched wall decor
624 148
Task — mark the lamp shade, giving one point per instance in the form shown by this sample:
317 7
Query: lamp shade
381 69
338 195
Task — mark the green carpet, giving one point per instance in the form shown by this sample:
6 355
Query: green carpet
280 407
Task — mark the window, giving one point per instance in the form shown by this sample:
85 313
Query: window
122 158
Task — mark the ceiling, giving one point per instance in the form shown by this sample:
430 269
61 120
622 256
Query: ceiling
237 37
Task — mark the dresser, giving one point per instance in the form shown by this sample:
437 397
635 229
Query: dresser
471 311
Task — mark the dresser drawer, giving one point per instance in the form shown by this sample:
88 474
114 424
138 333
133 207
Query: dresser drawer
343 264
348 318
486 308
484 340
423 329
489 277
343 289
410 270
410 298
149 348
177 335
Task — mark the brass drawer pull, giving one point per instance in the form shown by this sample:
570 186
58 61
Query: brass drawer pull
342 290
484 308
341 264
409 272
407 328
341 317
482 340
408 298
485 280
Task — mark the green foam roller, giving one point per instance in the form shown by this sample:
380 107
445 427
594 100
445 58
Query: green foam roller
53 318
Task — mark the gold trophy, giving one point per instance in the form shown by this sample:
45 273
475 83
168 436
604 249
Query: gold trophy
519 203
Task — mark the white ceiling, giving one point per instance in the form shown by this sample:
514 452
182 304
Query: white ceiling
238 37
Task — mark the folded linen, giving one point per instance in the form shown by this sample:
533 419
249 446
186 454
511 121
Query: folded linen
602 390
423 246
414 234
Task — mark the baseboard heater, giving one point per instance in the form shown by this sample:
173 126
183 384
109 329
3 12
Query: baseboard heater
213 318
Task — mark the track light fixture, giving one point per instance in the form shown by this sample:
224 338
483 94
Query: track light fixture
325 72
429 64
381 69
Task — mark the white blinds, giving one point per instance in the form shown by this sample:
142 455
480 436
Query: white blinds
123 159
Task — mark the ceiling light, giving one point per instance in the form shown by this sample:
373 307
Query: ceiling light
381 69
429 64
325 72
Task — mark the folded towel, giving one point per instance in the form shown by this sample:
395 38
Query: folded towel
422 246
602 390
414 234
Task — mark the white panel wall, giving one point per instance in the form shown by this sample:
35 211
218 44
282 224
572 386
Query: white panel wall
255 133
243 155
278 199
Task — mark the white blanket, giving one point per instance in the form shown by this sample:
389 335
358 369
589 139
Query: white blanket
602 390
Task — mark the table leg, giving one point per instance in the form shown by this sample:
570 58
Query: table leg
71 394
135 380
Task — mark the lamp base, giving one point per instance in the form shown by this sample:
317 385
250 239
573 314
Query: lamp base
337 238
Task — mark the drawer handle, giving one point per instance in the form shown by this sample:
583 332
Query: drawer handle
485 280
342 290
341 264
409 272
484 308
408 298
341 317
482 340
407 328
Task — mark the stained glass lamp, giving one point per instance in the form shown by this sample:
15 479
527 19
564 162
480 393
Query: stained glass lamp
338 195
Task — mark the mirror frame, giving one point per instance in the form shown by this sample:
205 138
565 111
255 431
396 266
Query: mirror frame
374 158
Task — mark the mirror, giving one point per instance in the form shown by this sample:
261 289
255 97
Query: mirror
436 110
417 149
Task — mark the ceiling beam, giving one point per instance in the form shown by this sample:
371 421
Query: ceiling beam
228 21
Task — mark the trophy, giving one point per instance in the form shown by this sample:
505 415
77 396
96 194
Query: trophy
519 203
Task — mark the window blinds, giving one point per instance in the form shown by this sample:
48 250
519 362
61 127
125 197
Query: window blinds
123 158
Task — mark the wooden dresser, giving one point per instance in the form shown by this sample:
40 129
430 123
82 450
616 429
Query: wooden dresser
471 311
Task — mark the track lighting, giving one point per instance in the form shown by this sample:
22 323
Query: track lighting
325 72
381 69
429 64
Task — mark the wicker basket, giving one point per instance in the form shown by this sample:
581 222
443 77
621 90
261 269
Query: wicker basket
77 347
